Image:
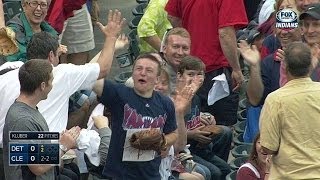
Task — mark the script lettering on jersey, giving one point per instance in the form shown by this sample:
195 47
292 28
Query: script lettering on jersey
133 120
193 118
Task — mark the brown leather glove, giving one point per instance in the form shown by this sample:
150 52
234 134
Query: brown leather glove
8 44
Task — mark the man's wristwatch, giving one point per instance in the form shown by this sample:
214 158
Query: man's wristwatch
63 148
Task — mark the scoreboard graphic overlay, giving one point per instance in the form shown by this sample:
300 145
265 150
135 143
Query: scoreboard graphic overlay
27 148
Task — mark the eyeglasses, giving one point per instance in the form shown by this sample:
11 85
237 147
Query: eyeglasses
35 4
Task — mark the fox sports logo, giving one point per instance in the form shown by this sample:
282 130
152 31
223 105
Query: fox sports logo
286 18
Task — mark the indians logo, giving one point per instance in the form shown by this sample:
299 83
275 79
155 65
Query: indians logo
193 119
286 19
133 120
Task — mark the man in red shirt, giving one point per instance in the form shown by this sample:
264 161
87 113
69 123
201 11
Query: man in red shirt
212 25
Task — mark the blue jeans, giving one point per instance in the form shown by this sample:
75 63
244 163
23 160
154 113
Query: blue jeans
221 144
204 171
215 155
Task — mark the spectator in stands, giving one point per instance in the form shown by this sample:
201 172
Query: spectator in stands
258 165
177 45
25 24
214 41
146 105
303 4
272 43
35 78
153 26
214 152
67 77
293 138
265 75
78 36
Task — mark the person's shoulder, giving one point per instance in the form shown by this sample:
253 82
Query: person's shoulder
15 21
270 39
247 170
72 69
161 96
270 59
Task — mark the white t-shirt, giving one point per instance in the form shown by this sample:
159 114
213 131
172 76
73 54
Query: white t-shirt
9 91
68 78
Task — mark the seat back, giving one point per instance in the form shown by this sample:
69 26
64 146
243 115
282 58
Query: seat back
133 24
134 44
139 9
11 8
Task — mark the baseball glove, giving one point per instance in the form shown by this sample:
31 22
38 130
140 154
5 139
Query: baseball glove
151 139
8 44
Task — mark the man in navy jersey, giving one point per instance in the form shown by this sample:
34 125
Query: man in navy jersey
139 107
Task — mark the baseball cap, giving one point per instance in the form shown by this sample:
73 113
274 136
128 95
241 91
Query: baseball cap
313 11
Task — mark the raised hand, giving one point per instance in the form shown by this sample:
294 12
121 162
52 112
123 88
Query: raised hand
122 42
115 24
197 82
100 121
62 49
182 99
249 53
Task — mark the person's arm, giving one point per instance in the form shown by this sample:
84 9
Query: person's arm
173 7
153 41
175 21
255 85
149 23
228 42
182 133
270 124
101 122
98 87
2 20
111 32
105 135
171 138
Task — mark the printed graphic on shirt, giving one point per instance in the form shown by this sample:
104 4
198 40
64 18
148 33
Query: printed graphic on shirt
193 118
133 120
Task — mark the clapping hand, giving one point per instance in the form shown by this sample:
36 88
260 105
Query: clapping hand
249 53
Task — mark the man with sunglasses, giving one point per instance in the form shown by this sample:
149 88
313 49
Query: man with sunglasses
25 24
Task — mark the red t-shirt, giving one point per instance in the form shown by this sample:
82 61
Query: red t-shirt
61 10
203 18
245 173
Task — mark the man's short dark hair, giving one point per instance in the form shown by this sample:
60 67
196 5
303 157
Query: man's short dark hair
33 73
191 63
41 44
298 59
150 57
